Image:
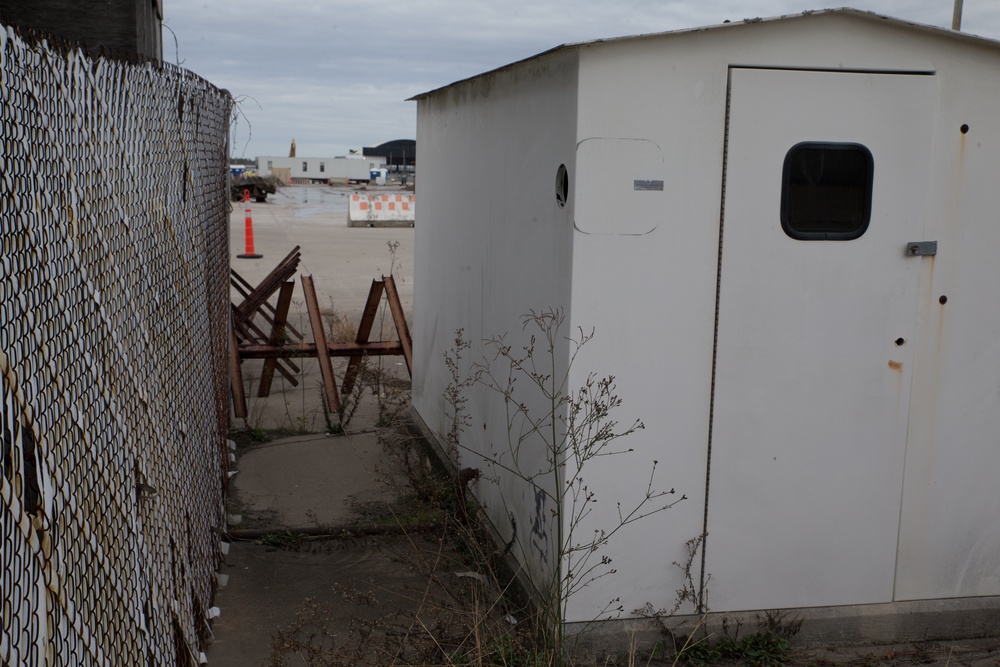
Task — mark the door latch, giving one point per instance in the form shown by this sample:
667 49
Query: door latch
921 248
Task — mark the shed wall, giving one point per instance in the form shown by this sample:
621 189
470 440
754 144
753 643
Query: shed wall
949 534
646 280
492 243
651 298
656 293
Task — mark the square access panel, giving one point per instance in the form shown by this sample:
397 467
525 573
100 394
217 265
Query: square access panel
619 186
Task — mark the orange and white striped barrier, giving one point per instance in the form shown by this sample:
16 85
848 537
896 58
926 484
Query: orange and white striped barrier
381 210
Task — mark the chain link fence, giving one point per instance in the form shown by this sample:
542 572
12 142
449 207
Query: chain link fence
113 364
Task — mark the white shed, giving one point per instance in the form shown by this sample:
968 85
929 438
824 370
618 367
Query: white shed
783 233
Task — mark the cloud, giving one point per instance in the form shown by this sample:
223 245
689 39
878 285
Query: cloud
335 75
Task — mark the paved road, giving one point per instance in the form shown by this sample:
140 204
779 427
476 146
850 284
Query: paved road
342 260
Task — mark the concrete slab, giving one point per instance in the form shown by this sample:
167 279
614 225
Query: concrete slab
311 481
288 487
272 589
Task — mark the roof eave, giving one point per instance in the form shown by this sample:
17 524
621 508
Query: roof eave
848 11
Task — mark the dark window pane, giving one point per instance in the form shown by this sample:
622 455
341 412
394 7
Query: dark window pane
826 191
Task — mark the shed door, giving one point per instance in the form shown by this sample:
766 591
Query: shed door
814 335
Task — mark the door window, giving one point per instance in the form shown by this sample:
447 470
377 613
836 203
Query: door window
826 191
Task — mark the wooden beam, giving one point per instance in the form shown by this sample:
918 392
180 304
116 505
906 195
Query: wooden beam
277 334
286 367
245 288
370 311
255 300
402 329
323 353
364 333
236 377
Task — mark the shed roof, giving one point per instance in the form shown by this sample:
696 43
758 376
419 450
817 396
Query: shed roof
843 11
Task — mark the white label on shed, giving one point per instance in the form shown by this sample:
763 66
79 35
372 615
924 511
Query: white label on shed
619 186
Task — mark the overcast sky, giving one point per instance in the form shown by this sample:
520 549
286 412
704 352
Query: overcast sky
334 75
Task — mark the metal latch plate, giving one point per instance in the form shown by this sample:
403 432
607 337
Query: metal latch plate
921 248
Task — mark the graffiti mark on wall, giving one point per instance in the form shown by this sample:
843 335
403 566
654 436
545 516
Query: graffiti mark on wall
539 531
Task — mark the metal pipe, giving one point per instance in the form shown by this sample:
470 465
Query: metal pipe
956 17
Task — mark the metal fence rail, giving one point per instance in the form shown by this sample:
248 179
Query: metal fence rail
113 380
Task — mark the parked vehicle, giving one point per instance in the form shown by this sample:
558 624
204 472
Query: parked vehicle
259 186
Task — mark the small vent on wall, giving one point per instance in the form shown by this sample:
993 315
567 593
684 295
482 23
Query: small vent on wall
562 185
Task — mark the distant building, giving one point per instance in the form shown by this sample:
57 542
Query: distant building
128 27
319 168
400 154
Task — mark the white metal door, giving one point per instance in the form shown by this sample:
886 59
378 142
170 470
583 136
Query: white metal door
814 348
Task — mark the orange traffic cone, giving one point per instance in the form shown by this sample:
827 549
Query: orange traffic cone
248 231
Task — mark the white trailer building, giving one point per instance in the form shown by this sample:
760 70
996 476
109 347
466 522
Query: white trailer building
783 233
320 168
